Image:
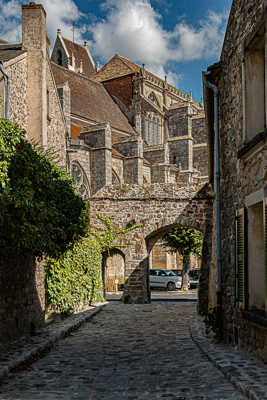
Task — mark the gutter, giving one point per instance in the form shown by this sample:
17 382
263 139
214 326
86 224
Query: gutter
6 77
215 90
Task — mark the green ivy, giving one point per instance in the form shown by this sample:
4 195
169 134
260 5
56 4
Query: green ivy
75 279
39 210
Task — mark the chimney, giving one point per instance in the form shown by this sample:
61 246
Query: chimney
33 27
59 32
35 42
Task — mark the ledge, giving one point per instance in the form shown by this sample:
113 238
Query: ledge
252 143
258 317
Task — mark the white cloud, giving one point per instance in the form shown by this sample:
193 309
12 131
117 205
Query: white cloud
133 29
60 14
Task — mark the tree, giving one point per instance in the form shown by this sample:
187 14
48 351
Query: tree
186 241
39 210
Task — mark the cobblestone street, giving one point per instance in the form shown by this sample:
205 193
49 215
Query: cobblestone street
125 352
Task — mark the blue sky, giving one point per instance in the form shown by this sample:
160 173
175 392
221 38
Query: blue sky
177 38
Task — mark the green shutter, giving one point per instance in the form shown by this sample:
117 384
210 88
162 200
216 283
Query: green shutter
241 259
265 247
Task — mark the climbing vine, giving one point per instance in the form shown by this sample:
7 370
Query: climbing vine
74 279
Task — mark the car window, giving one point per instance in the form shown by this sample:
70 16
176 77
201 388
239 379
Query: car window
162 273
170 273
152 272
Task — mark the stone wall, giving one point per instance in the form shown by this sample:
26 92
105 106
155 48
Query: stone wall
17 72
56 124
22 296
156 207
242 172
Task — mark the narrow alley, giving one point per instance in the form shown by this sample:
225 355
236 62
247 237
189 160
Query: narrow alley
125 352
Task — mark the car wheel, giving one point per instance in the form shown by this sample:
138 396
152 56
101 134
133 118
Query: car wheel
171 286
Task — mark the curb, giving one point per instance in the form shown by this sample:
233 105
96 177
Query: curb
47 344
234 370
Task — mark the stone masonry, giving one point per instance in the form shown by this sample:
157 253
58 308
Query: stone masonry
157 208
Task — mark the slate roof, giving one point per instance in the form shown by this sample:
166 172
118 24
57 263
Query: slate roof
90 100
80 54
10 51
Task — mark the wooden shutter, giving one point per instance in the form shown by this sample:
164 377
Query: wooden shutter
241 258
265 247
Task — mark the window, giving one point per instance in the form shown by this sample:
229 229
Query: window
80 181
151 126
152 97
251 260
254 84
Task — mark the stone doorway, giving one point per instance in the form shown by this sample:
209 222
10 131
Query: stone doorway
114 271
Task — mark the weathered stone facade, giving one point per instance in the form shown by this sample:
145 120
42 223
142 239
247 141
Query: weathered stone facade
157 208
241 80
35 107
22 301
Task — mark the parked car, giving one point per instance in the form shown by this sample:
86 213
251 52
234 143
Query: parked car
193 278
163 278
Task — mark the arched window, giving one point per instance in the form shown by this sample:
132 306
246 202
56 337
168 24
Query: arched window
152 97
115 178
80 180
59 57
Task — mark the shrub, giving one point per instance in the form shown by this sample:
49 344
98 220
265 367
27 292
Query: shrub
40 212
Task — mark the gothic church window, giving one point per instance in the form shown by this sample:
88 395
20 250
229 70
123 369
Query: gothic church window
115 178
80 181
153 99
151 132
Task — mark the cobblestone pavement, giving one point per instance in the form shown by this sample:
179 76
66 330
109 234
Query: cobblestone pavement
132 352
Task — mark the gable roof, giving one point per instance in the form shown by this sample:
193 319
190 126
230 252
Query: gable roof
90 100
116 67
80 53
10 51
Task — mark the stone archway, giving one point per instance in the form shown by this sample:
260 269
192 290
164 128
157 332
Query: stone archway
113 270
157 208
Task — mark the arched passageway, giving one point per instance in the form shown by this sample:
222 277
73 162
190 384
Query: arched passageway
157 208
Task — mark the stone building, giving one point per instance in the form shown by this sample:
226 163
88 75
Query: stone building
35 107
126 127
170 122
240 77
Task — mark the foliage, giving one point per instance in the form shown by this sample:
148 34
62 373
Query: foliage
75 278
40 212
108 233
184 240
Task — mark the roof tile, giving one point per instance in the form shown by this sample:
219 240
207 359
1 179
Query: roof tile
90 100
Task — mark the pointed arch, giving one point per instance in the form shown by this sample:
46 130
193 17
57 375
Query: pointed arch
80 180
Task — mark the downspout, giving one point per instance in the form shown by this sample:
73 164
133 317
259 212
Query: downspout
218 188
7 89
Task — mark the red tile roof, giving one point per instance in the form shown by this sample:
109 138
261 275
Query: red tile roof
91 101
80 54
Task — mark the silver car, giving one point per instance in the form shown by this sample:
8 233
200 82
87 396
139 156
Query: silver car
163 278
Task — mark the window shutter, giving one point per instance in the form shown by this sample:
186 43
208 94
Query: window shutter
241 258
265 247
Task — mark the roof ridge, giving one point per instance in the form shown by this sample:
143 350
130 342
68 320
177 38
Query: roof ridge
88 78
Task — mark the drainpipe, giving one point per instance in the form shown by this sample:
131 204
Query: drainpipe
6 77
218 188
